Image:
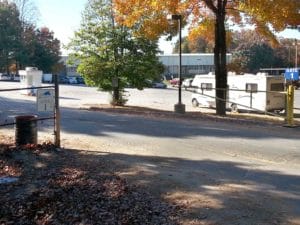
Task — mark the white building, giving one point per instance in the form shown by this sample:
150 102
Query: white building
70 70
198 63
191 64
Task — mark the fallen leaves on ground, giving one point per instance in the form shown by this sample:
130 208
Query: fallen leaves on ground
64 190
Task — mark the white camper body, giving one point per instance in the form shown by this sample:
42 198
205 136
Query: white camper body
259 92
30 77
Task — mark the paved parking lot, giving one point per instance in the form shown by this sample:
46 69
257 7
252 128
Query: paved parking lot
79 96
206 164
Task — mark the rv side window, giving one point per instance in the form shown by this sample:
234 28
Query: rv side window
251 87
206 86
277 87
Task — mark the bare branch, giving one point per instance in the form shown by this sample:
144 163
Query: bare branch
28 11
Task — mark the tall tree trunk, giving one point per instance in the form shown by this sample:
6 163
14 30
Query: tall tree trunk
220 59
116 96
116 87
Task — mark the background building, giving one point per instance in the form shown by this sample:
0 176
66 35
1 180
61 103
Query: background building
192 64
70 70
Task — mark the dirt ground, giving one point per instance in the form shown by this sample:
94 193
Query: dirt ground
64 186
71 186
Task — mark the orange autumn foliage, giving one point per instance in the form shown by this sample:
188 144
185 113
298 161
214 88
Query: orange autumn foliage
149 16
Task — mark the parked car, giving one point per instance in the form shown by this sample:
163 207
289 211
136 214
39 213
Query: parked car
4 77
187 83
63 80
80 80
72 80
159 85
174 82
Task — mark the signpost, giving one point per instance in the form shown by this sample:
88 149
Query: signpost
291 74
45 100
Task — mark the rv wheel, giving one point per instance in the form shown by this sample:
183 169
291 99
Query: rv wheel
234 108
195 102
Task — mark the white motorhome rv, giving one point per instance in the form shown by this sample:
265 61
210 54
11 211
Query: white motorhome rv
259 92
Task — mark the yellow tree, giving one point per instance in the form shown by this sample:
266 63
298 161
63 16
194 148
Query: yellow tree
208 18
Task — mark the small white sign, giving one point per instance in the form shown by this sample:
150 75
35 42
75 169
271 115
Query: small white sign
45 100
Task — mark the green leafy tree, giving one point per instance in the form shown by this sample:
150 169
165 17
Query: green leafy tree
21 44
39 48
26 47
260 56
111 57
46 50
28 14
10 30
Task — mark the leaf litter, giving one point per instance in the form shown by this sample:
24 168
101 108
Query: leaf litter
67 190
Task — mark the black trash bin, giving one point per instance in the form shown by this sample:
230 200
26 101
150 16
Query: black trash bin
26 129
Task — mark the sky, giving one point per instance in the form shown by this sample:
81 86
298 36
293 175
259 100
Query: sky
63 18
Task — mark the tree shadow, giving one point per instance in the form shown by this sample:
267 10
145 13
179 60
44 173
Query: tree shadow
149 122
170 125
56 187
210 192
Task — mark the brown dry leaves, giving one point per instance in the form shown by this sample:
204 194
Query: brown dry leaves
70 190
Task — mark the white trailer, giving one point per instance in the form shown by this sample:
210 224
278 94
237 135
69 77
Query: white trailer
30 77
259 92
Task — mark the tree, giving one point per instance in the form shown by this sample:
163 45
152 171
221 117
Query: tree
21 44
110 55
260 56
251 51
286 52
46 50
208 18
38 48
184 46
28 13
194 45
199 44
10 30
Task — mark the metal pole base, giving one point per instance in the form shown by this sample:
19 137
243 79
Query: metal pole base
179 108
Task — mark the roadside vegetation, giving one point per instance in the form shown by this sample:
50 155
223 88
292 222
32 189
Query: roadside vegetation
211 20
111 55
22 43
250 51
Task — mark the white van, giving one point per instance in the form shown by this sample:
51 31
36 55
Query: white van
259 92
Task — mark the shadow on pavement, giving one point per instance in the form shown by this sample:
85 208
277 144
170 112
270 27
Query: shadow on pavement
153 123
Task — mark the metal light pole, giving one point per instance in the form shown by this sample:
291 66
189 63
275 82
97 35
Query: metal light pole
296 54
179 107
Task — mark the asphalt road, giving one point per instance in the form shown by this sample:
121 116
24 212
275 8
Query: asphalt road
227 161
76 96
216 159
